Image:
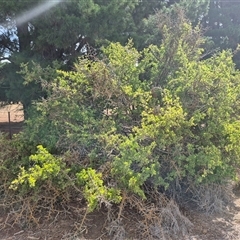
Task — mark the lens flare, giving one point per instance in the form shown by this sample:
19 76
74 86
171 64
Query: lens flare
36 11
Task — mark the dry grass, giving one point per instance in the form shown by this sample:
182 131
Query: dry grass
213 198
155 218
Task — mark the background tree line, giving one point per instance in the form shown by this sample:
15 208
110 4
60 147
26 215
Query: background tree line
47 39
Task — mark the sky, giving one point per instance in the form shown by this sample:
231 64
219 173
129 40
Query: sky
28 15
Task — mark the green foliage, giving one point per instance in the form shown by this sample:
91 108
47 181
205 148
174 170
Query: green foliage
134 165
180 43
151 153
176 131
195 10
222 24
46 172
222 20
94 190
44 39
161 117
13 154
45 167
74 113
183 134
209 91
9 155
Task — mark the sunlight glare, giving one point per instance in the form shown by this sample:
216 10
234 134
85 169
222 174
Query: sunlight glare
36 11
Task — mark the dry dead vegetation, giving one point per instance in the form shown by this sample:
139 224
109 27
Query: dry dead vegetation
209 213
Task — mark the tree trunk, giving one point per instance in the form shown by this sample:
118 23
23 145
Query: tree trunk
23 36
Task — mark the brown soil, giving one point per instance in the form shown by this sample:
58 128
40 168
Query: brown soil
14 113
224 226
15 110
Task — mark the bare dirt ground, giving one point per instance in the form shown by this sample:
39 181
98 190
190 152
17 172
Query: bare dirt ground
224 226
218 226
15 112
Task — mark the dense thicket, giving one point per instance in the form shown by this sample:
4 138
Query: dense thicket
129 122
